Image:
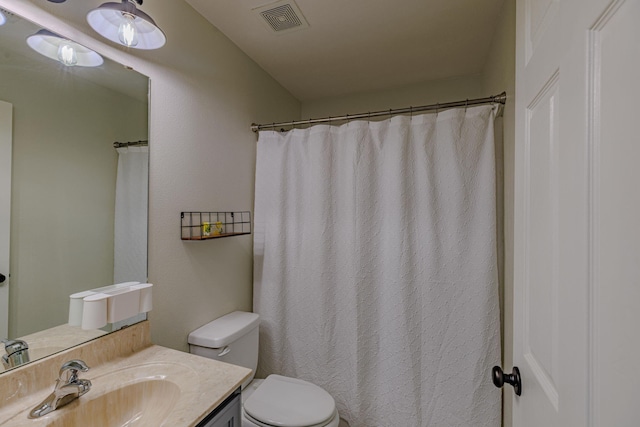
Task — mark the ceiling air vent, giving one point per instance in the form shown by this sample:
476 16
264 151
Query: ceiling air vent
11 17
282 16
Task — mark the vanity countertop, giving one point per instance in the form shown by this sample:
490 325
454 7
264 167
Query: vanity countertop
45 343
184 388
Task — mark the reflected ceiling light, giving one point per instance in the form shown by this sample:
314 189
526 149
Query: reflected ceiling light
65 51
125 24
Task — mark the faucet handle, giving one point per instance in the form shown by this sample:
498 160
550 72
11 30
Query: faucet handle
69 370
17 353
14 346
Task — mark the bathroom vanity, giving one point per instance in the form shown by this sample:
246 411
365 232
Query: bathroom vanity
229 413
130 378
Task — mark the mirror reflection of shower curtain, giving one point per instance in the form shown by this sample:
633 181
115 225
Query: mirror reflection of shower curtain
130 229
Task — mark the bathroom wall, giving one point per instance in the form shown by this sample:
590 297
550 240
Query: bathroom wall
62 226
204 95
430 92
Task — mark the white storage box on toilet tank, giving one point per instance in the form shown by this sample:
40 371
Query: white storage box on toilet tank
232 338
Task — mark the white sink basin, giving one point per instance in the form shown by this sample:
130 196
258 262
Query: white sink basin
139 395
146 403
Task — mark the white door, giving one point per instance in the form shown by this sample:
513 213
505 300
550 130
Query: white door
577 213
6 114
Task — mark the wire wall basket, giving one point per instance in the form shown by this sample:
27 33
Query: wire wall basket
214 225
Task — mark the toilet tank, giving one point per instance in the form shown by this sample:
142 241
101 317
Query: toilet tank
232 338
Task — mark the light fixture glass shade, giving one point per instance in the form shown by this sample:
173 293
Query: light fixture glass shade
66 51
3 18
125 24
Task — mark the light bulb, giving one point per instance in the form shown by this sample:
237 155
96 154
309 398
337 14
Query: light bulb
67 54
127 31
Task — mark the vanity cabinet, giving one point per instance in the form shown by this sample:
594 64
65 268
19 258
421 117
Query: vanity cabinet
227 414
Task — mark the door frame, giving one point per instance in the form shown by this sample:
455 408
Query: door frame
6 138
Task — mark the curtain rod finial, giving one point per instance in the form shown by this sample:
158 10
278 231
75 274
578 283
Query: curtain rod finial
502 98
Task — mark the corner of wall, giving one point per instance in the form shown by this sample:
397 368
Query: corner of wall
498 76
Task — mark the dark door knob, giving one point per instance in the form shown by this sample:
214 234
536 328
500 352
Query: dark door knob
2 278
500 378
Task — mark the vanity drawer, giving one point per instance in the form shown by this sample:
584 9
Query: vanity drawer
228 414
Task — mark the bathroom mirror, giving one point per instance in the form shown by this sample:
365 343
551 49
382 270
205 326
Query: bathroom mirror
64 175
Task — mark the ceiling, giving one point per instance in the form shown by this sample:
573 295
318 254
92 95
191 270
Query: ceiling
353 46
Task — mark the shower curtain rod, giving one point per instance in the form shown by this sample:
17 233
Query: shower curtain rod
496 99
130 144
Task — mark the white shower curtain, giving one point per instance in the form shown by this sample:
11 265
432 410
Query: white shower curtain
375 266
130 235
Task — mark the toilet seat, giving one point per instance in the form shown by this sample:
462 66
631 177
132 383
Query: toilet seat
333 422
289 402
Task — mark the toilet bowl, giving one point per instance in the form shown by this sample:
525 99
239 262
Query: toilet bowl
276 401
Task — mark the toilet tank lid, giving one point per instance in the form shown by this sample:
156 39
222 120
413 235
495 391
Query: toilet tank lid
224 330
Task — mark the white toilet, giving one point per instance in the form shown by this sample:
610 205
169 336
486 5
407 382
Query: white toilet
274 402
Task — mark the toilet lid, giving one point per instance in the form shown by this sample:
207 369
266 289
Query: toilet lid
289 402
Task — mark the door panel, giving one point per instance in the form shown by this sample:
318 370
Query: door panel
539 16
577 209
541 285
551 219
615 62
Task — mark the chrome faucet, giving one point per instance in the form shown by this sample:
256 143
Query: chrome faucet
17 353
68 388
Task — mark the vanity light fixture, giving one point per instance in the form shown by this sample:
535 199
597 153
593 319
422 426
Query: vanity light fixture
125 24
65 51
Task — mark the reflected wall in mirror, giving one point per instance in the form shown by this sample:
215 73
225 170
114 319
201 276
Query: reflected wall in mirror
67 182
